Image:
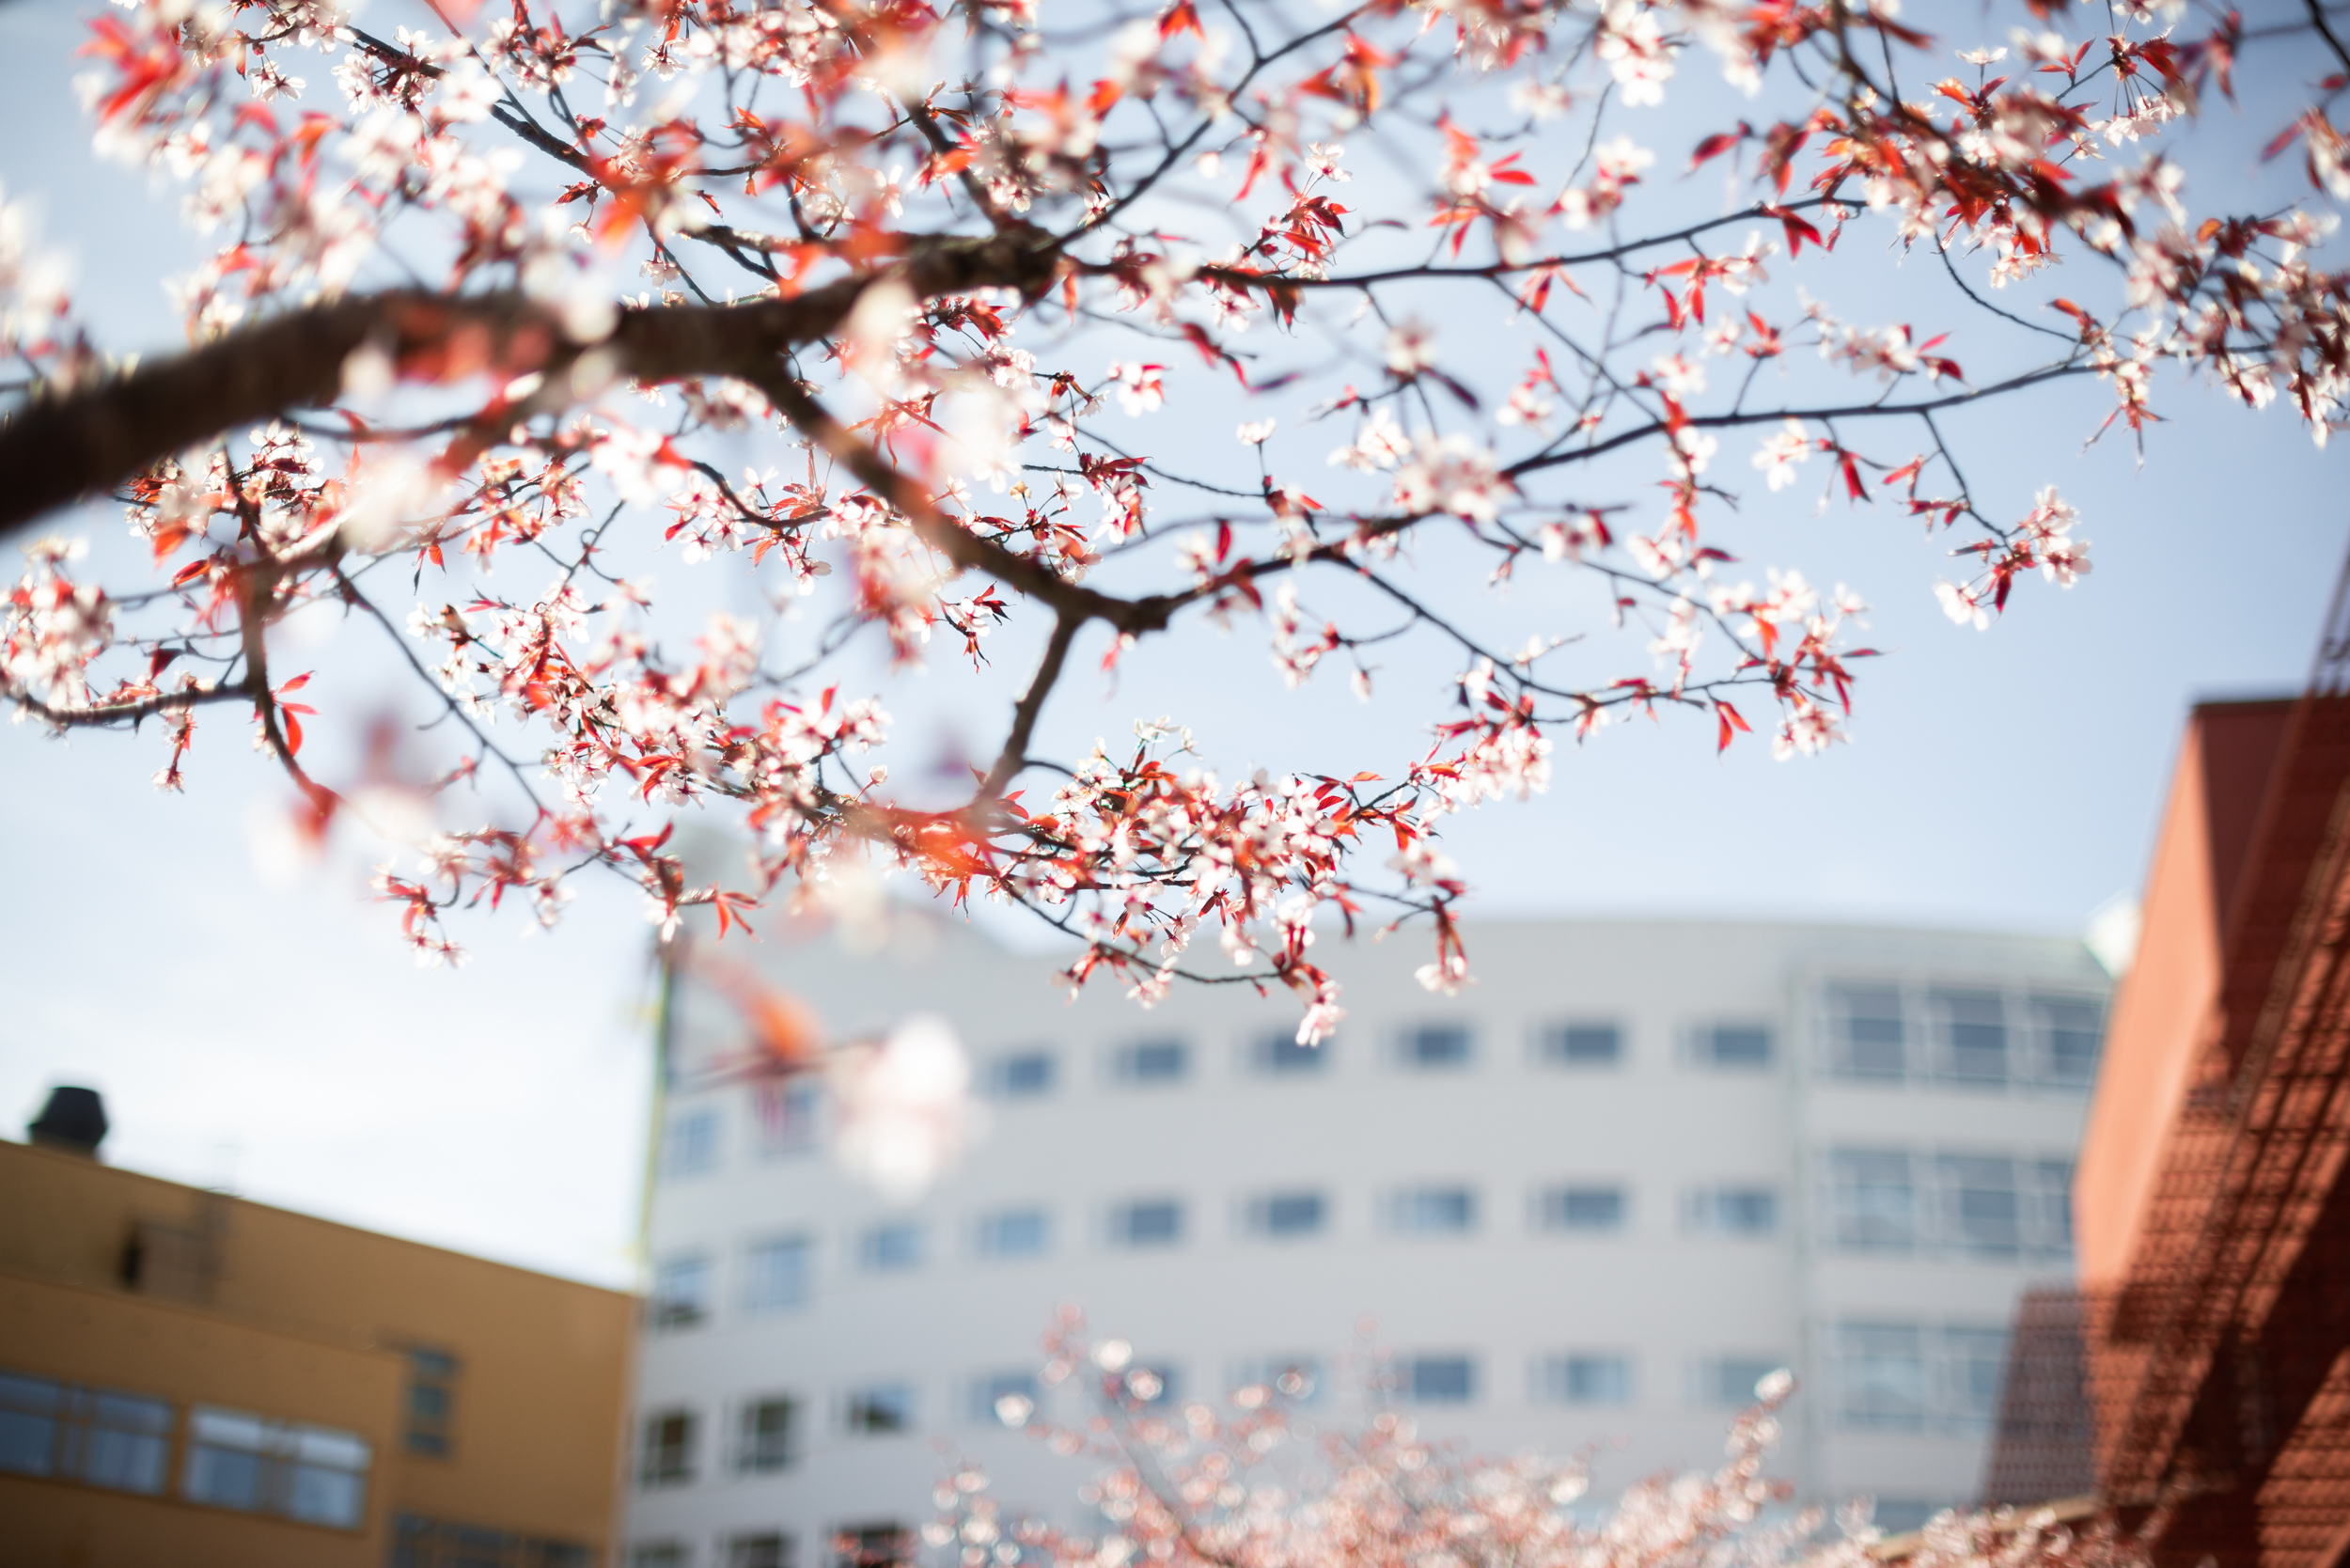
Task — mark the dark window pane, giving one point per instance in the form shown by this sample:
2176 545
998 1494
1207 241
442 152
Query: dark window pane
1744 1211
1875 1204
1587 1379
1282 1053
1584 1044
1592 1208
1979 1204
1440 1380
28 1443
1015 1233
880 1411
225 1478
1437 1045
1158 1062
125 1461
1869 1038
767 1434
1154 1222
1290 1214
1735 1045
770 1550
1974 1035
2073 1032
1436 1210
1884 1376
1025 1076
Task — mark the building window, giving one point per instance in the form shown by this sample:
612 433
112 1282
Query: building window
258 1466
1153 1063
891 1248
1584 1379
1867 1036
1883 1367
789 1115
690 1147
766 1549
1294 1379
431 1402
776 1275
875 1546
881 1410
1873 1203
1146 1222
2071 1032
1981 1213
1433 1211
657 1554
1733 1382
768 1437
1436 1046
1734 1046
665 1457
1437 1379
1282 1214
1582 1208
1021 1075
1285 1054
1733 1211
1004 1399
1971 1037
1581 1044
2049 1221
1015 1233
418 1542
682 1288
116 1440
1974 1367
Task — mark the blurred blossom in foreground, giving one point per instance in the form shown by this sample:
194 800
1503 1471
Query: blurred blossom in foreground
1197 1486
905 1106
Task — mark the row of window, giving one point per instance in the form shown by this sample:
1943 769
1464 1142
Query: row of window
1992 1207
777 1273
420 1542
765 1434
1901 1201
1972 1038
123 1442
1036 1071
883 1544
1880 1033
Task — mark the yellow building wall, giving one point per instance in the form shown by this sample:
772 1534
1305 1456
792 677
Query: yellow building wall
116 1341
540 1400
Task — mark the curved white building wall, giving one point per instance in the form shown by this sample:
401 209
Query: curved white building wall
1842 1149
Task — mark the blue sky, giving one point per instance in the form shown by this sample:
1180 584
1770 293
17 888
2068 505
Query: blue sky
273 1035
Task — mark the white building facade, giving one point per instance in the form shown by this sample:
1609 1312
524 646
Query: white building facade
1591 1199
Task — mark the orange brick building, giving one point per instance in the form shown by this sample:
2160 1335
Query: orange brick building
2212 1200
192 1379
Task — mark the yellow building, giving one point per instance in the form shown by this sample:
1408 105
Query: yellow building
188 1379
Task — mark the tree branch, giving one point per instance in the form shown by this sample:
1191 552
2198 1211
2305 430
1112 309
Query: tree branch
1024 716
56 449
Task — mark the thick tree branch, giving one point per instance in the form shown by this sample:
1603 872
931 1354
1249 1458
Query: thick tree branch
59 447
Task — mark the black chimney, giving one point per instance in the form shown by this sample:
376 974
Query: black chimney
73 1122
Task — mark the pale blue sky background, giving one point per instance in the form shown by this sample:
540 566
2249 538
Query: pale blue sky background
279 1039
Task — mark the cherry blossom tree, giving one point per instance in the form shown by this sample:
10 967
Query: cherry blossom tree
1190 1485
1047 329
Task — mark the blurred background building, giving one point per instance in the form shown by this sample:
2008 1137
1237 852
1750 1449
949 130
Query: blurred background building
1593 1199
189 1378
2210 1337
